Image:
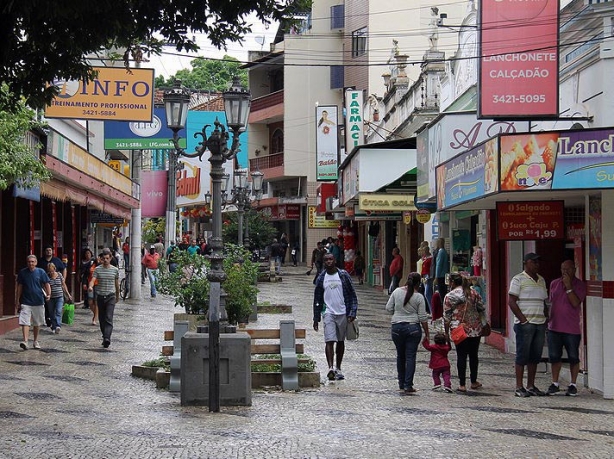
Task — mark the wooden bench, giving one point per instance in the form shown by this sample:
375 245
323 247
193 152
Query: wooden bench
287 348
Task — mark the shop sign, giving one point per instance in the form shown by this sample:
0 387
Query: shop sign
407 218
281 212
468 176
519 64
354 124
115 94
558 160
142 135
319 221
101 217
423 216
386 202
530 220
327 160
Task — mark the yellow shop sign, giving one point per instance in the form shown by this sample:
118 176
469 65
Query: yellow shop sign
386 202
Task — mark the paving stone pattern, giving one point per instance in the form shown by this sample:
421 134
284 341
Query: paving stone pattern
74 399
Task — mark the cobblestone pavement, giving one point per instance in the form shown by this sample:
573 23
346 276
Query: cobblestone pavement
74 399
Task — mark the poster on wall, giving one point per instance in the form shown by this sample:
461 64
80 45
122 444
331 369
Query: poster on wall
530 220
558 160
594 238
519 63
327 145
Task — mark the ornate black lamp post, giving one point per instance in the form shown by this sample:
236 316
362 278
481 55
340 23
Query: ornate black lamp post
237 102
241 197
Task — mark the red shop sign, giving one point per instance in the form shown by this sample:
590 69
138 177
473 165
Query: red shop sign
530 220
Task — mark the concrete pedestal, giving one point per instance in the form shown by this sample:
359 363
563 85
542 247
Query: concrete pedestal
235 369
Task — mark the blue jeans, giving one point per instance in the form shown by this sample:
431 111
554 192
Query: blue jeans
277 265
152 275
406 338
428 292
558 340
55 311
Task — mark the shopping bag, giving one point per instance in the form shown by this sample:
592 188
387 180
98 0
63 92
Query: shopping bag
352 331
68 316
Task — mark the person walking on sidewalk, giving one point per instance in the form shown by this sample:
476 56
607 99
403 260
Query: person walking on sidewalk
150 261
334 303
566 295
442 266
395 270
526 297
462 307
56 301
32 290
408 309
107 294
439 362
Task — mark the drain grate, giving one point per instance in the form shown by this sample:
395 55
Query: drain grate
534 434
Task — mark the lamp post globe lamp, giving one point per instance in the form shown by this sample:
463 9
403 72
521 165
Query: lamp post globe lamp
237 102
176 101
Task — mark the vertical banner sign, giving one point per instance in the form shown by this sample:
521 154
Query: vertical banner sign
354 123
154 193
327 156
519 63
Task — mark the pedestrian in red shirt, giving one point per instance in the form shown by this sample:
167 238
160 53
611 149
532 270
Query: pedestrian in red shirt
439 362
396 270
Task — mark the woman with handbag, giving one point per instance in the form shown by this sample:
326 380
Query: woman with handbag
462 313
408 309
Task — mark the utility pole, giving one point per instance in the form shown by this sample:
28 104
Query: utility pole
135 228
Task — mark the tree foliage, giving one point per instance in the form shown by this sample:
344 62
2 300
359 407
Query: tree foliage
42 42
261 232
19 162
208 75
152 228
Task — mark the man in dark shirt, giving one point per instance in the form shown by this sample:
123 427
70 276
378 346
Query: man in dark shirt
276 254
47 258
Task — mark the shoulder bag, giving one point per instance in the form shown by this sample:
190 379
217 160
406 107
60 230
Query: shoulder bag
459 334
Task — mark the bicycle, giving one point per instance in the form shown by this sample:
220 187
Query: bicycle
124 285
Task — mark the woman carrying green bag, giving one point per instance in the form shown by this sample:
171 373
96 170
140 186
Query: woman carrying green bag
56 301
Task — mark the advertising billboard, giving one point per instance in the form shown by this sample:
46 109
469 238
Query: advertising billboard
528 221
141 135
154 192
519 60
468 176
558 160
354 123
115 94
327 144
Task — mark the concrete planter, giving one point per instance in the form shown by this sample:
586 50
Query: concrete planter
305 379
162 378
140 371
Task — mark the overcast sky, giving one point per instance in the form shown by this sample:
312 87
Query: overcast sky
169 63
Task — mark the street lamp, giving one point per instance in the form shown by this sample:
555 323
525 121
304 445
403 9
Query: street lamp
237 102
241 197
176 101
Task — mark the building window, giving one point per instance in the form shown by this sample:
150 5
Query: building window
277 141
337 17
359 42
336 77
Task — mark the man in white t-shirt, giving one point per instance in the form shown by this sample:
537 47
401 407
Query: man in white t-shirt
335 303
526 297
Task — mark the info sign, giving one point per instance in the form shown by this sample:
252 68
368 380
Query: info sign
530 220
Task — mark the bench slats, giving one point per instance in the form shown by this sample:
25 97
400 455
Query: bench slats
167 350
268 361
273 333
273 348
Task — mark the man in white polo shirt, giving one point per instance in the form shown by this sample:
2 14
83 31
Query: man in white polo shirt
526 297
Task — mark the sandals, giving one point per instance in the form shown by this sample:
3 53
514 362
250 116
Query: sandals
476 385
462 389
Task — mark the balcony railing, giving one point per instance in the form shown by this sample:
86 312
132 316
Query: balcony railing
267 162
270 100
